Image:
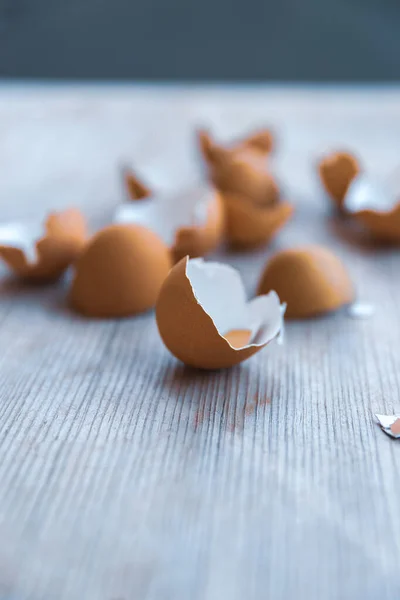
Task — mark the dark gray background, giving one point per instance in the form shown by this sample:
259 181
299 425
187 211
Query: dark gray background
314 40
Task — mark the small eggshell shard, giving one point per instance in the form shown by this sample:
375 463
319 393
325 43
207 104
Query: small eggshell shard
39 252
204 319
190 222
336 172
375 207
390 424
120 272
311 280
249 225
241 170
135 188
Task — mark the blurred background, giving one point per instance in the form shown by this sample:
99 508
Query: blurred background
257 40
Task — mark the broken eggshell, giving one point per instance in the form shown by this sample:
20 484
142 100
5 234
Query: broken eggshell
38 251
134 187
375 206
336 172
249 224
204 319
253 210
241 170
190 222
120 272
310 279
390 424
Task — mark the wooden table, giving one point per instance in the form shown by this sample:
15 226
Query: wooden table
124 476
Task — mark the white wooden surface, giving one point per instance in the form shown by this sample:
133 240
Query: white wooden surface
124 476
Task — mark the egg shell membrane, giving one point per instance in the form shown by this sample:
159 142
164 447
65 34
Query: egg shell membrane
64 238
336 173
198 241
189 332
311 280
249 224
120 272
241 170
135 188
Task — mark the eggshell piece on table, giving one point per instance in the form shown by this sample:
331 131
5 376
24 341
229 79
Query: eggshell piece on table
135 188
120 272
376 207
249 225
311 280
336 172
240 170
190 222
204 319
41 252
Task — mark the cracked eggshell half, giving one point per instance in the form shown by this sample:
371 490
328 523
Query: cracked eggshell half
249 224
204 319
336 172
376 206
120 272
310 279
190 222
241 170
37 251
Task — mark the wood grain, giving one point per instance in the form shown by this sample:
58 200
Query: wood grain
125 476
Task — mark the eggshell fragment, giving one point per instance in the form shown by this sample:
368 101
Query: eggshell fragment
190 222
311 280
336 172
42 252
390 424
120 272
241 170
376 207
204 320
135 188
249 224
253 209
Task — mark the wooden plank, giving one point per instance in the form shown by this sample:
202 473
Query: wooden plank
124 475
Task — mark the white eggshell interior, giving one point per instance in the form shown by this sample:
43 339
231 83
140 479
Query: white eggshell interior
165 214
365 193
23 236
219 290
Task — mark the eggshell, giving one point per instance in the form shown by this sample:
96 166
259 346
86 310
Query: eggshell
190 222
240 170
249 224
120 272
336 173
135 188
42 252
376 207
311 280
204 320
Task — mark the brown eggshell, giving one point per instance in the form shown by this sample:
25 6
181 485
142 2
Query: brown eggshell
199 241
63 240
336 173
249 225
240 171
120 272
190 333
135 188
311 280
383 226
261 141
